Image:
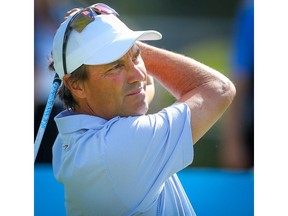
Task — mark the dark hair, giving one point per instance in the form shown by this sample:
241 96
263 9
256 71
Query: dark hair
64 93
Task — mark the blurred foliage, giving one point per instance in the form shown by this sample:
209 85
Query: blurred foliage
196 8
214 53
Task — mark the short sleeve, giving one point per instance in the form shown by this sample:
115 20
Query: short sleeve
143 152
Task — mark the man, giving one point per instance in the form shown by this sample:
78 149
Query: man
112 158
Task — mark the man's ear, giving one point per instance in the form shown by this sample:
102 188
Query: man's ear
75 87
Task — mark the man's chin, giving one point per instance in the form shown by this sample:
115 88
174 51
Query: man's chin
140 111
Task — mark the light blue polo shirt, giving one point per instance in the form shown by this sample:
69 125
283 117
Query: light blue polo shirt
124 166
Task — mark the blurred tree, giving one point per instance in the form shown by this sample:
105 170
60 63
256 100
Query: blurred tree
198 8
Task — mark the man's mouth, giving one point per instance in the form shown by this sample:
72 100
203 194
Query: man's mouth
136 91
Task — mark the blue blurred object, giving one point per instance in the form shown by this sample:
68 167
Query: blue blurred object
48 193
219 192
211 191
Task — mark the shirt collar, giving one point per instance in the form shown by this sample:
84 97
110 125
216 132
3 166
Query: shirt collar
68 121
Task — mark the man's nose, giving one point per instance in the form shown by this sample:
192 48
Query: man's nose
135 73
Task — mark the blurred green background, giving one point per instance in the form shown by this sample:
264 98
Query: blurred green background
201 29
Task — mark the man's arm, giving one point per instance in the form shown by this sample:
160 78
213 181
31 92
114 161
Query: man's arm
207 92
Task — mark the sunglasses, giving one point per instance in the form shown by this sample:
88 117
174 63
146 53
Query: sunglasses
80 20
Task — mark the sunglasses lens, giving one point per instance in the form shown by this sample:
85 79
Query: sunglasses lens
103 9
82 20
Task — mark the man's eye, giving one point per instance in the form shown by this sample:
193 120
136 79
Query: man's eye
136 59
116 67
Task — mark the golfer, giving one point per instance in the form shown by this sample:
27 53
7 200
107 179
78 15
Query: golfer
112 157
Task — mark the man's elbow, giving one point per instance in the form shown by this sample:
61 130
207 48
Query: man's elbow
228 92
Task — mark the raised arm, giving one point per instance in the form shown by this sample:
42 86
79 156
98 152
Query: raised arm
207 92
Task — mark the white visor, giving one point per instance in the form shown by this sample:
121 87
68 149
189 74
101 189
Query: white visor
102 41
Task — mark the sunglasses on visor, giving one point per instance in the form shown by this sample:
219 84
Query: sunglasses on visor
80 20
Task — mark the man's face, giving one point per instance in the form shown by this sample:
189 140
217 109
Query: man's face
116 89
